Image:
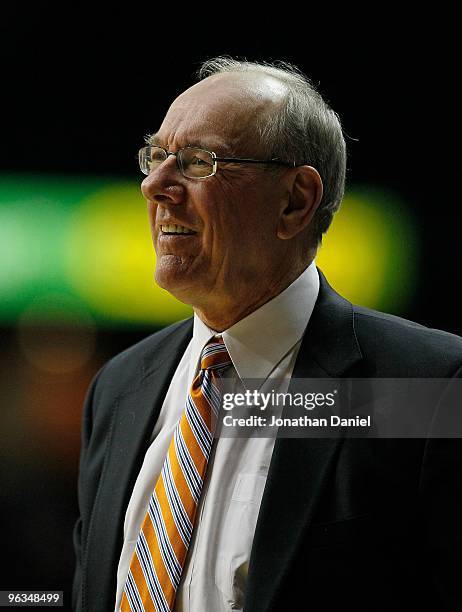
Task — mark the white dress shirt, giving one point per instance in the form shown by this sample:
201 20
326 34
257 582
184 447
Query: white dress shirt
264 344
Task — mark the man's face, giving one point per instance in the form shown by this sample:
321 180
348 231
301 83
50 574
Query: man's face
234 251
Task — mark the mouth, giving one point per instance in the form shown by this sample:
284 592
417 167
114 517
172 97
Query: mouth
175 229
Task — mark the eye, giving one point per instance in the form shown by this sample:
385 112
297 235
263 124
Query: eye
197 161
157 157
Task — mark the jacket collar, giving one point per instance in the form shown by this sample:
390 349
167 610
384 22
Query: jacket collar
128 421
330 341
299 468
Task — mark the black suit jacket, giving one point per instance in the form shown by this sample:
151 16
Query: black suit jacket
374 524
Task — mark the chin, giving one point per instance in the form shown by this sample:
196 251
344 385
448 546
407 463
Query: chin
175 281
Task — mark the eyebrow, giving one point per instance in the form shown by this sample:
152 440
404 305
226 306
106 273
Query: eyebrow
154 140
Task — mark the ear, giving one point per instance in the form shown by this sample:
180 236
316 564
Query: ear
304 196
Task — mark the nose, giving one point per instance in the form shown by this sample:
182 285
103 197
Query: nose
164 185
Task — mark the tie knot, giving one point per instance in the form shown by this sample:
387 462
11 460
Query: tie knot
214 355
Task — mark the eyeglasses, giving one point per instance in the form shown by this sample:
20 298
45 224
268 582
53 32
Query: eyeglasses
193 162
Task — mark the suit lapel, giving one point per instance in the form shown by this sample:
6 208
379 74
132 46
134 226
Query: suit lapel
134 416
299 468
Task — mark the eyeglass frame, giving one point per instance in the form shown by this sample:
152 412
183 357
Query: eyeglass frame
237 160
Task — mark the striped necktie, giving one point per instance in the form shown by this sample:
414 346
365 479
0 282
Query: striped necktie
159 557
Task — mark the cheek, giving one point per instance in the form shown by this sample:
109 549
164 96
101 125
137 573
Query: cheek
215 210
215 240
236 221
152 211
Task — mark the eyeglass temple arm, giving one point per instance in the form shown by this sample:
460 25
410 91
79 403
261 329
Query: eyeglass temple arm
257 161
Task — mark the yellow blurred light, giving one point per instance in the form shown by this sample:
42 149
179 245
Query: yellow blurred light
369 254
109 258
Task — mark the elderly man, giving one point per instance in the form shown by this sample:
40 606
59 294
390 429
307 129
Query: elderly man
242 180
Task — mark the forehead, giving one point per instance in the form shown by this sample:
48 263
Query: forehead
220 111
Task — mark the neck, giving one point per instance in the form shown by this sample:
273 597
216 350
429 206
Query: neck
225 311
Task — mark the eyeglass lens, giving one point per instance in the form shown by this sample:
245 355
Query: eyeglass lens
194 163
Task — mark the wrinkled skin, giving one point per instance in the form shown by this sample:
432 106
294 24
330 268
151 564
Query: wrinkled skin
250 223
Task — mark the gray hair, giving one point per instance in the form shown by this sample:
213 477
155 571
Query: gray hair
305 130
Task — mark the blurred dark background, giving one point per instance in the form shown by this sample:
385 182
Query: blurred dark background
80 89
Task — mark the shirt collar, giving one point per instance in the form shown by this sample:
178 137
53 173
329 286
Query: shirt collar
257 343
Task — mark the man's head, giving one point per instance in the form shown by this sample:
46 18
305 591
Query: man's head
256 226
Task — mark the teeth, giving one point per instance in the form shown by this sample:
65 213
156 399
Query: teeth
175 229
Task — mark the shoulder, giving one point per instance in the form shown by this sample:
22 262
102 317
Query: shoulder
406 348
134 363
